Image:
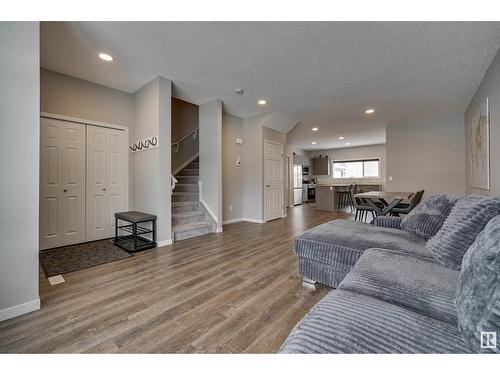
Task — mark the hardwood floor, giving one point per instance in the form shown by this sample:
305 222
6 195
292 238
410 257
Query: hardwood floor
234 292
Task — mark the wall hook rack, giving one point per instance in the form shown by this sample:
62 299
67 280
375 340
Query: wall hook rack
144 144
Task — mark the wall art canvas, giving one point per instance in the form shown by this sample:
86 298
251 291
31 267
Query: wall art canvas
479 148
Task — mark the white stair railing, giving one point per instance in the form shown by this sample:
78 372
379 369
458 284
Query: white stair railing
177 145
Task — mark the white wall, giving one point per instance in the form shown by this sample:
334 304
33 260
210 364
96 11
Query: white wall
427 154
232 174
210 144
353 153
74 97
19 167
489 87
151 168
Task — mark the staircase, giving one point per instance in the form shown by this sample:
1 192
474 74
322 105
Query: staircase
189 217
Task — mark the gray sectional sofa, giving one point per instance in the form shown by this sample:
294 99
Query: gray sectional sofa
398 289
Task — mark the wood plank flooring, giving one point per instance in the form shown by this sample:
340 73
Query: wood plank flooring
234 292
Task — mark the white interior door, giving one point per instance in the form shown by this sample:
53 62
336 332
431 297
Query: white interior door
106 180
273 180
62 183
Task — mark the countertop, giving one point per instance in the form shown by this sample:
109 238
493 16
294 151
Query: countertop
344 185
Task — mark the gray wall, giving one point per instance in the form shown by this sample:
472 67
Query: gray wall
185 118
232 175
427 154
489 87
151 168
19 167
255 130
210 122
70 96
353 153
253 171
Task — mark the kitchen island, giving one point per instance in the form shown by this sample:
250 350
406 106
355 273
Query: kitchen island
327 195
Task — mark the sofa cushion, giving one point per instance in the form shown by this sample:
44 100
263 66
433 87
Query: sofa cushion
343 241
428 216
420 284
465 221
347 322
478 292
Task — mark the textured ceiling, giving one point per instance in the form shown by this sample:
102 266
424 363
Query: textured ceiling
321 74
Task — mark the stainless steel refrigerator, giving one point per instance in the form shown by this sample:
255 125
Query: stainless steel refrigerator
297 184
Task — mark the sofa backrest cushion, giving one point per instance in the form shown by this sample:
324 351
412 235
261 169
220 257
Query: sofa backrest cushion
428 216
460 229
478 291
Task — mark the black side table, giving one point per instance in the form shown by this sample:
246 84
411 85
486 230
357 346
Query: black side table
135 239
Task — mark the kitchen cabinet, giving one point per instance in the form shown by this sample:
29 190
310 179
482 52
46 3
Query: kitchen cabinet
321 166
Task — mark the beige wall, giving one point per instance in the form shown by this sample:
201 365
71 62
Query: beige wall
427 154
353 153
185 118
489 87
70 96
232 174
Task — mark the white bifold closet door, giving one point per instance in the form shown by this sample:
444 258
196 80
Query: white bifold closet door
62 183
106 180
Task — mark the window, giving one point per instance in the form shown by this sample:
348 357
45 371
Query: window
356 168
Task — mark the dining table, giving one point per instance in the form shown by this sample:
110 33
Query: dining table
383 202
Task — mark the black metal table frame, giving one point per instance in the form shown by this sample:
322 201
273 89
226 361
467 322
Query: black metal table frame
387 206
135 231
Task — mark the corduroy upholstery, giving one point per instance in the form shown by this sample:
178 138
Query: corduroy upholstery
428 216
388 222
419 284
478 292
459 231
338 244
347 322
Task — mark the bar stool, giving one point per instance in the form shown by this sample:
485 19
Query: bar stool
345 198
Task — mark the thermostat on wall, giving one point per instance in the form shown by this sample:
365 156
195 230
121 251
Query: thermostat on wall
239 141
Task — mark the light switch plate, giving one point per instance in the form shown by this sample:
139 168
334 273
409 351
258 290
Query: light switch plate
239 141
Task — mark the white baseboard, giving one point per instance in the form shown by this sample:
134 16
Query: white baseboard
251 220
164 243
185 164
229 221
238 219
23 308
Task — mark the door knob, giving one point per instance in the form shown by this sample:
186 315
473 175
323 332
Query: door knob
65 190
103 189
268 185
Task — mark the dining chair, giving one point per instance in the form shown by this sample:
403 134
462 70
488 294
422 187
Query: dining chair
362 208
406 208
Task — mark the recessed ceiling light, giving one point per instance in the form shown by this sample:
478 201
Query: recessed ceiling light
341 138
106 57
262 102
347 144
314 129
314 142
369 111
